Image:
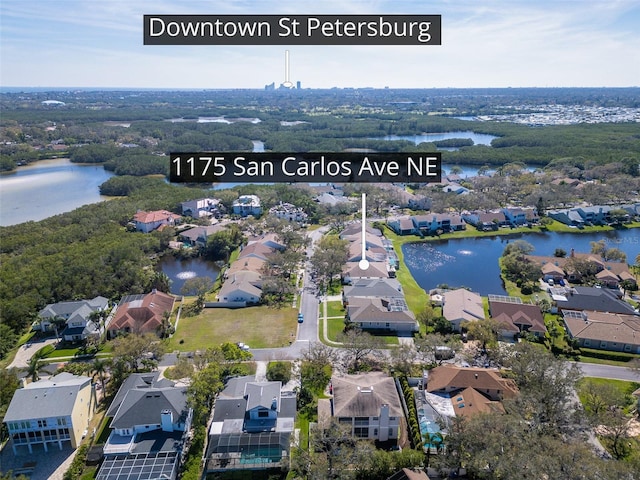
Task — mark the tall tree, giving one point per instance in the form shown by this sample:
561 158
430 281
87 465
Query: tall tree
329 257
357 347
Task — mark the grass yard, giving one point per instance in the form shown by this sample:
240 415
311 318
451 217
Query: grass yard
415 296
258 327
624 387
335 326
335 309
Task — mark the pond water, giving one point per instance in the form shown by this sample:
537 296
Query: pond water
47 188
181 270
478 138
473 262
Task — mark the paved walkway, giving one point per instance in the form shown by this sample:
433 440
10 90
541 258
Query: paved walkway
41 465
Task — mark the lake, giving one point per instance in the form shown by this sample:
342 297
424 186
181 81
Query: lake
47 188
473 262
181 270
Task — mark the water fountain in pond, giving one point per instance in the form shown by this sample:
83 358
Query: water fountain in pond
186 275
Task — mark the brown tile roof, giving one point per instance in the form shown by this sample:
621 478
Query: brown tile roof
453 377
462 303
154 216
257 250
518 314
375 270
247 264
470 401
142 313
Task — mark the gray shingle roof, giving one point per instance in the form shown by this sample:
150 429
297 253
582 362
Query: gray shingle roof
143 406
597 299
54 397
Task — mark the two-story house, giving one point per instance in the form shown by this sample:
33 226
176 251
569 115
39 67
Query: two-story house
77 316
368 403
149 221
247 205
52 412
149 427
251 427
202 207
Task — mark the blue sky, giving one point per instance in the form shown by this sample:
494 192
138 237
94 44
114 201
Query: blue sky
578 43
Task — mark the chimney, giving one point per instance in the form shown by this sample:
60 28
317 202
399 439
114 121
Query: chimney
166 420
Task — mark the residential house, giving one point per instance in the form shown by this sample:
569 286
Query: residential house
455 188
369 404
150 423
572 182
595 215
567 216
78 317
202 207
402 226
149 221
140 313
486 221
330 199
553 271
592 298
289 212
437 222
352 271
270 240
603 330
355 228
256 250
521 216
470 390
198 236
52 412
247 264
388 288
251 427
372 254
409 474
247 205
241 287
381 315
461 305
515 317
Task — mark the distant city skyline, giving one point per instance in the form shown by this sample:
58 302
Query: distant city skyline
509 43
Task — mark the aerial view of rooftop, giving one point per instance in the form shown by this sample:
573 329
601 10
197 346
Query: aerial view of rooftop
286 240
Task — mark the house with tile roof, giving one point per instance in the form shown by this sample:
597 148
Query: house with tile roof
603 330
470 390
516 318
52 412
368 403
140 313
241 287
149 221
461 305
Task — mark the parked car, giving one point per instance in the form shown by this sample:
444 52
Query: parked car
243 346
300 318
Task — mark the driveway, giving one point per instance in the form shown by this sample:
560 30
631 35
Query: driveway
39 465
26 351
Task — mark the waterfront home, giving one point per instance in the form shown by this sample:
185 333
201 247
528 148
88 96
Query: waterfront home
50 412
461 305
521 216
241 287
388 288
592 298
486 221
515 317
567 216
402 226
198 236
434 223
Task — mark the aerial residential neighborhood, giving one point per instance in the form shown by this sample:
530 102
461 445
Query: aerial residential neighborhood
209 275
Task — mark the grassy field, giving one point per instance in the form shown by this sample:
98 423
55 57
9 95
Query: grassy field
258 327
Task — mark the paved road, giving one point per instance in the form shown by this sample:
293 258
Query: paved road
608 371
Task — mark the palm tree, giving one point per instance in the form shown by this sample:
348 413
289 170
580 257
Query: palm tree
99 367
36 364
432 440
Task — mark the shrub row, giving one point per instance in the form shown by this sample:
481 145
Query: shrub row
412 414
604 355
77 465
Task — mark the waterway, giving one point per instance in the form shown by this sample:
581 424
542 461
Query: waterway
478 138
181 270
473 262
47 188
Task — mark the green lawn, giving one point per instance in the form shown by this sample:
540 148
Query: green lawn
414 295
624 387
335 326
258 327
335 309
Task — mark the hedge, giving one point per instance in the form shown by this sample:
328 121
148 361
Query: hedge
412 414
605 355
77 465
